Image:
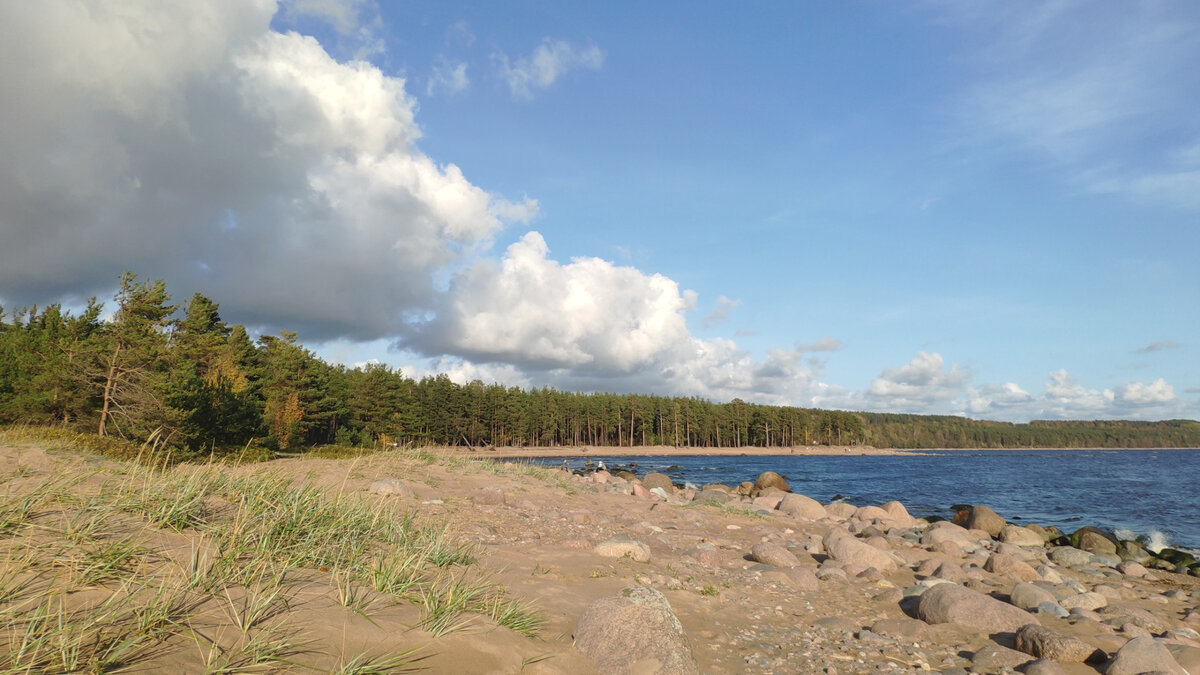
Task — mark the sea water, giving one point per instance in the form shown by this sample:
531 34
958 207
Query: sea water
1150 495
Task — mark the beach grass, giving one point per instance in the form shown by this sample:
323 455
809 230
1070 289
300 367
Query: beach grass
107 565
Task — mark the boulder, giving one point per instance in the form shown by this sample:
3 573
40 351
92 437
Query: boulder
769 553
1133 551
799 506
983 518
951 603
1132 569
1094 540
870 513
1020 536
1006 565
992 656
944 531
659 480
619 547
1143 655
851 551
1070 556
634 632
1028 596
840 510
770 479
707 496
1089 601
1046 643
390 486
899 515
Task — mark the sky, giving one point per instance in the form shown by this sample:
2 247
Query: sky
988 209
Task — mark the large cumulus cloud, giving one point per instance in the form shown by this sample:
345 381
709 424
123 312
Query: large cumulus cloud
190 141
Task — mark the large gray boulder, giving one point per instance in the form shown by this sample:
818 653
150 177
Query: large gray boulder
951 603
635 632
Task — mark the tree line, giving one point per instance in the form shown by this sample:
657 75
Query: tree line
179 376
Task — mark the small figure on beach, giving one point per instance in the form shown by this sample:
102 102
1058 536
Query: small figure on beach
600 466
566 466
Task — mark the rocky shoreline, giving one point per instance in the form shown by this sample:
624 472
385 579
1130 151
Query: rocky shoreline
835 588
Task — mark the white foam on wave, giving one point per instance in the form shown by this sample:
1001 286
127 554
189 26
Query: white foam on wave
1153 540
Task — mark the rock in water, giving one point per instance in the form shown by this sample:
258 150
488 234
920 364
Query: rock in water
770 479
658 480
1094 540
951 603
983 518
634 632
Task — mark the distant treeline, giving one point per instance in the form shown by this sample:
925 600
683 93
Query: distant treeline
179 376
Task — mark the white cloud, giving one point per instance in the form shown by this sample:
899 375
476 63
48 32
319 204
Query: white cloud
1139 394
191 142
990 400
549 62
919 385
531 310
448 76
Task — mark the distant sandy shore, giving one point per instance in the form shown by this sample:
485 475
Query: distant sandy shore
671 451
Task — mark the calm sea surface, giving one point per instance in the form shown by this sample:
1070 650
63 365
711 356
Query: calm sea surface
1140 493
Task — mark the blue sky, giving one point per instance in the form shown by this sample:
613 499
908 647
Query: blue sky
983 208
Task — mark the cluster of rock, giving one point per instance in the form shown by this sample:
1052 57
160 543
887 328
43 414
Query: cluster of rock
1042 598
975 594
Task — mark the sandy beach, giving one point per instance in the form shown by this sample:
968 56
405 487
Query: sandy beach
517 568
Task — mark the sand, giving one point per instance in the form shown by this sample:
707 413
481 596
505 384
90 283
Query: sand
539 542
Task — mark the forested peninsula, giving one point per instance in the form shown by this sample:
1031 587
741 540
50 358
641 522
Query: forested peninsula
180 377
